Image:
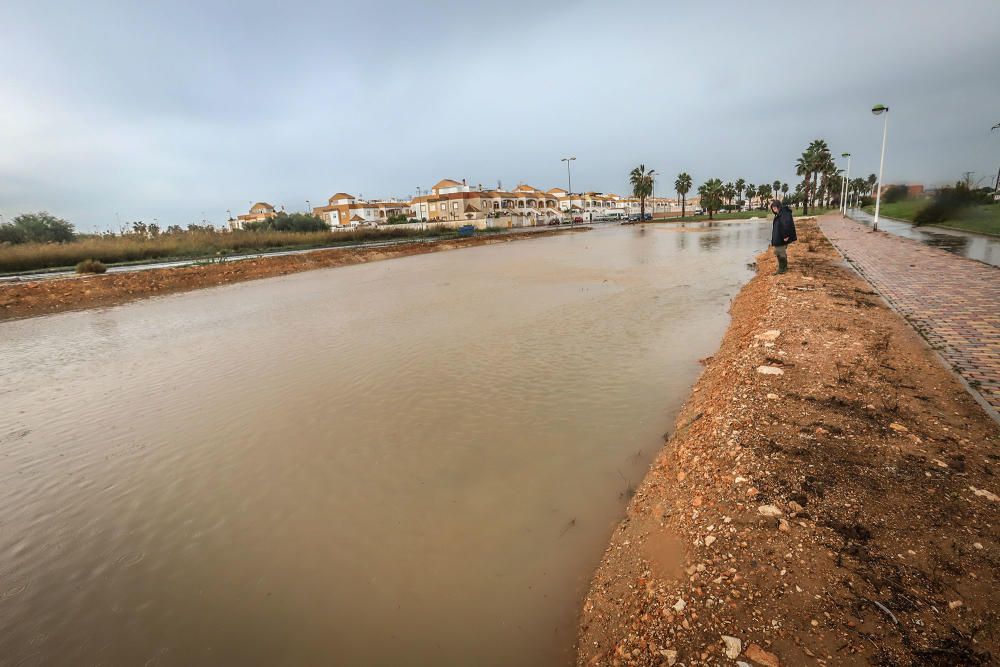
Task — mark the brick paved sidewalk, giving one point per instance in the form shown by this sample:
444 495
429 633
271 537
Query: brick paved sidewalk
954 302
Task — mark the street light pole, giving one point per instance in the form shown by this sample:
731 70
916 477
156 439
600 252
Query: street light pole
847 179
996 188
569 184
880 109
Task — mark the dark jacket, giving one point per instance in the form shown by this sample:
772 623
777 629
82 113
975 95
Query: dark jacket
783 227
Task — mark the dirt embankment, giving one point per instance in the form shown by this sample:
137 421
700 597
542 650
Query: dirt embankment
827 497
42 297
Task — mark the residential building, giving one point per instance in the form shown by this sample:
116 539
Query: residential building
258 212
344 210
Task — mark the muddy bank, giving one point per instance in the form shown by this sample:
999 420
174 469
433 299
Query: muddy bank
827 497
56 295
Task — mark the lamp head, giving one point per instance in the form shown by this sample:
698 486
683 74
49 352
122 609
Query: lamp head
879 109
845 155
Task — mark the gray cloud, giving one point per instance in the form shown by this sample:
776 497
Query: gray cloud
167 111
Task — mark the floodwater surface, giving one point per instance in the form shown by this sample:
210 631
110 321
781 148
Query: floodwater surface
416 461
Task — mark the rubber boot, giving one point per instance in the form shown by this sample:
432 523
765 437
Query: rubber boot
782 266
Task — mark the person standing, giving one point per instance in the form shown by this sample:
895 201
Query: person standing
782 233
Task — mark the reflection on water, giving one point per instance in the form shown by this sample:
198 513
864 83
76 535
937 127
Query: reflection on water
416 461
974 246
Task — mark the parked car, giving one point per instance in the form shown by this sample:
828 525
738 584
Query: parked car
633 217
577 219
648 216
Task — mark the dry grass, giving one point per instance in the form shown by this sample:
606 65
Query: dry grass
91 266
134 248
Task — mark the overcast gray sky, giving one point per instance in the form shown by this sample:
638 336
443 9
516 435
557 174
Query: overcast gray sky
168 110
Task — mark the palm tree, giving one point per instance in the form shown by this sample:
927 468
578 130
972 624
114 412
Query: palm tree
750 191
729 191
711 196
776 187
642 186
740 185
872 180
822 160
763 193
803 168
683 186
784 191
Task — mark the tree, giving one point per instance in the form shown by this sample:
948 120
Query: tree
642 186
683 186
821 161
751 189
38 227
729 191
776 188
802 167
740 186
872 180
711 196
763 193
784 191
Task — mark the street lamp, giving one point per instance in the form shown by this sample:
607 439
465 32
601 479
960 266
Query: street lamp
569 184
996 188
878 110
847 179
309 206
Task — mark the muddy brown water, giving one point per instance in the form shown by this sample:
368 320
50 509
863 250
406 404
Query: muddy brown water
416 461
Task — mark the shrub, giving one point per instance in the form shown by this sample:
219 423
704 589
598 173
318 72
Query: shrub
91 266
38 227
895 193
947 203
293 222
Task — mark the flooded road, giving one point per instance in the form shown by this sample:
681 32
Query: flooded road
965 244
416 461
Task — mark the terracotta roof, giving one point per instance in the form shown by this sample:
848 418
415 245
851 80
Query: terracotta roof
446 183
357 218
262 204
524 187
340 195
556 191
472 209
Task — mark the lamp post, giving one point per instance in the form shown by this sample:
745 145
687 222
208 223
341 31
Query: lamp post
847 179
996 188
569 184
878 110
309 207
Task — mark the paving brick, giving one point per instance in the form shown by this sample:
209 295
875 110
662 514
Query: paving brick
954 302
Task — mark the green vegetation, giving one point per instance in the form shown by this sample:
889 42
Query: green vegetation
819 173
289 222
177 244
983 219
642 186
91 266
959 207
906 209
711 193
36 228
683 186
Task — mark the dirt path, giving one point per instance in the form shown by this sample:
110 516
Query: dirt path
827 497
26 299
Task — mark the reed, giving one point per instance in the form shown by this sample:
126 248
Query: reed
127 248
